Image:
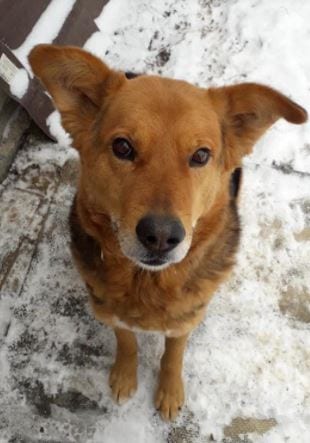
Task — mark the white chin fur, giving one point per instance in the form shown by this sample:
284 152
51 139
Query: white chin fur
150 267
133 251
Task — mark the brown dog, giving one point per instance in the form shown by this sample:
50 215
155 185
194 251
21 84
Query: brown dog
154 223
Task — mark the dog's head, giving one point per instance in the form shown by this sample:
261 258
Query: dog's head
156 153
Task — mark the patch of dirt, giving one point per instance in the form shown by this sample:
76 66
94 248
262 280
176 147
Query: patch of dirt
240 427
163 57
80 354
72 400
296 304
186 433
303 235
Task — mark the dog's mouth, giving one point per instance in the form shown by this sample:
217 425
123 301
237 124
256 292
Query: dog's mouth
152 260
155 261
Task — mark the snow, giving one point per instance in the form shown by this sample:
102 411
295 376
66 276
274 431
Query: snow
19 83
54 124
128 430
248 358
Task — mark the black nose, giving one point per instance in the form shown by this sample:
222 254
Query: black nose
160 233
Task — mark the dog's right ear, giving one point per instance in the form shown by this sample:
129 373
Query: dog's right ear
245 113
78 83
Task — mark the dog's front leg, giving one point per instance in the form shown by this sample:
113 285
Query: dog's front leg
123 375
170 392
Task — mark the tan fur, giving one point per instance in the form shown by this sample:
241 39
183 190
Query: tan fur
166 121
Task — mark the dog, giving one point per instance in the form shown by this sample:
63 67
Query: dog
154 224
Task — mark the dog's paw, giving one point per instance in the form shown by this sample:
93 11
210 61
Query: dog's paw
169 397
123 382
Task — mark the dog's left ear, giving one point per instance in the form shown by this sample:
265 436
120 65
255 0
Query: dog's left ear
245 112
78 83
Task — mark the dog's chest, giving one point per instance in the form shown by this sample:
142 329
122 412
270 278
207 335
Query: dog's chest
118 323
141 304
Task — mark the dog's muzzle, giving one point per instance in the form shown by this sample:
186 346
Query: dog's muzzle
159 241
159 235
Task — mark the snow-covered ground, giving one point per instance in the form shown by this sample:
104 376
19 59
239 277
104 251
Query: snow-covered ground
250 359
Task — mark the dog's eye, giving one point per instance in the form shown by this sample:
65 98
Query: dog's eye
200 157
122 149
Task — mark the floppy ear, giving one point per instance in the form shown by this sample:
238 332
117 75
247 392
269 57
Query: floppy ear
77 82
246 111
